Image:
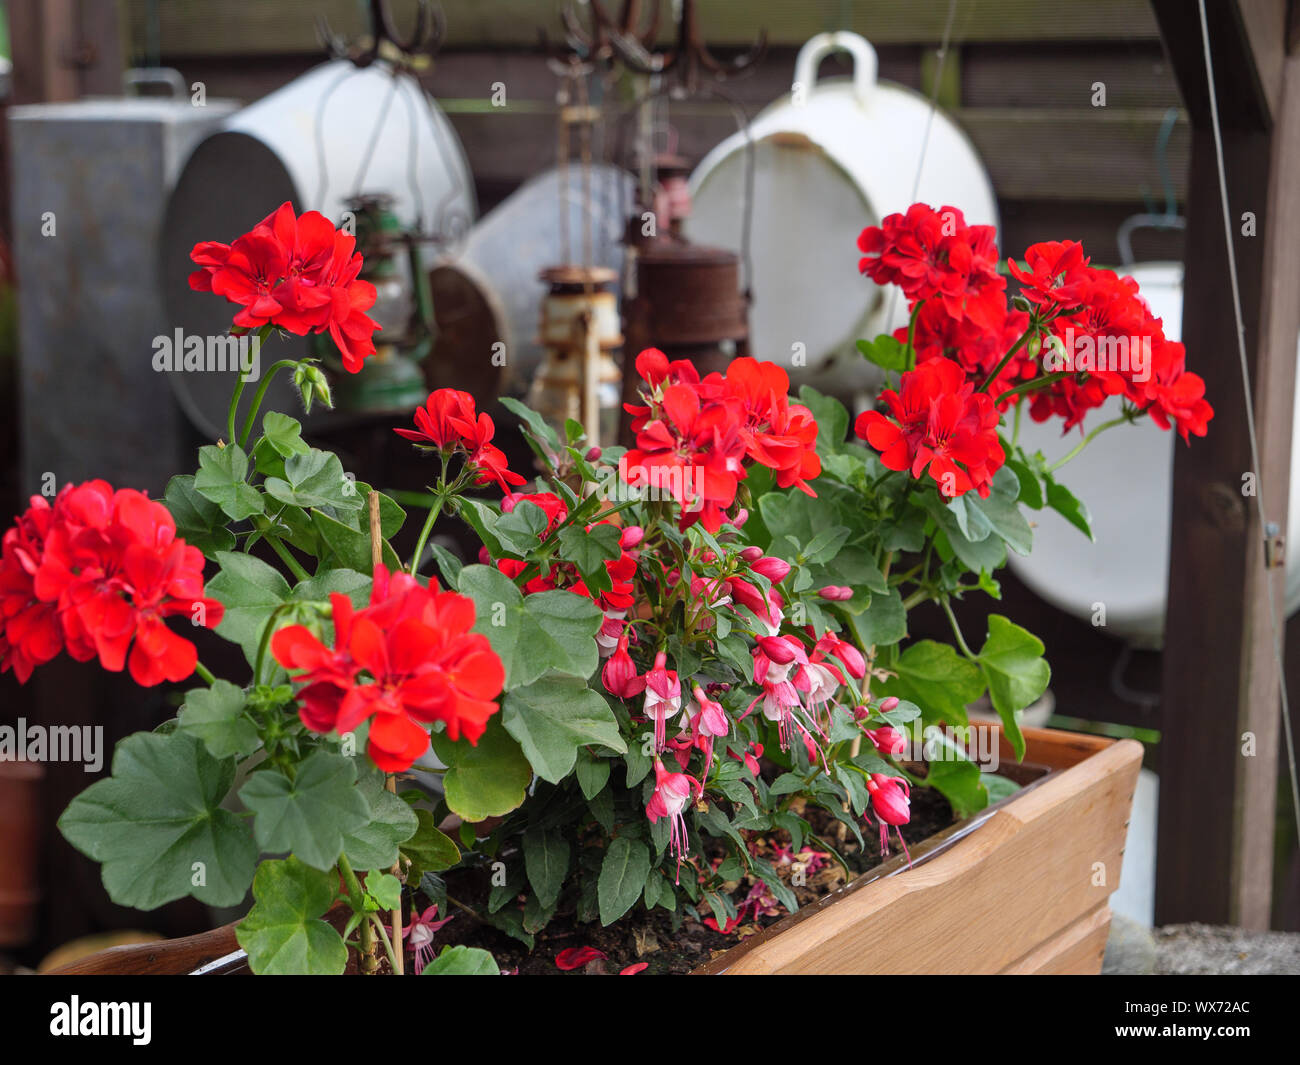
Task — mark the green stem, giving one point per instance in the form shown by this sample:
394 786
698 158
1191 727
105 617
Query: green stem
1024 339
911 333
1086 441
434 511
258 396
956 629
263 526
383 938
205 673
234 408
1034 385
1015 432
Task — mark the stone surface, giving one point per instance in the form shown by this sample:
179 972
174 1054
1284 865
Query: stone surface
1198 949
1130 949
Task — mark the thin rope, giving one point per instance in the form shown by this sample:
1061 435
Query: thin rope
1250 406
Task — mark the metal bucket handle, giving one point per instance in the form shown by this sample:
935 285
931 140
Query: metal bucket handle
819 47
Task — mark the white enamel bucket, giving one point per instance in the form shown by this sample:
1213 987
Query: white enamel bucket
831 158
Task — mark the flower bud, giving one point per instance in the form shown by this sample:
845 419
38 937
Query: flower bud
888 704
632 536
312 383
752 553
774 569
742 516
835 593
593 454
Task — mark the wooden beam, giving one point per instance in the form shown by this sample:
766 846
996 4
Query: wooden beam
1220 679
285 27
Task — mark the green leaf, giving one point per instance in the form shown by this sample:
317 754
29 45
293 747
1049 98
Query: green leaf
430 849
309 815
884 622
199 521
537 634
283 434
886 352
958 779
554 716
157 827
939 680
1073 510
999 787
1031 491
831 417
347 547
317 589
374 844
987 553
461 960
315 479
593 773
589 551
622 877
385 889
216 716
249 589
283 933
546 860
448 565
1017 674
1003 511
520 531
483 520
223 479
486 780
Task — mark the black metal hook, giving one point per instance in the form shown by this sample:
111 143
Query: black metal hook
425 40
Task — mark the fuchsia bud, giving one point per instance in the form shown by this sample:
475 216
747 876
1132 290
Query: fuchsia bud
619 674
778 650
742 516
888 704
861 713
709 556
889 799
887 740
632 536
836 593
774 569
593 454
752 554
485 556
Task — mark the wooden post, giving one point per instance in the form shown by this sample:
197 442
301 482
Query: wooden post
1221 681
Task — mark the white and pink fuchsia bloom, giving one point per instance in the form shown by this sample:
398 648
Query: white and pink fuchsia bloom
663 697
671 796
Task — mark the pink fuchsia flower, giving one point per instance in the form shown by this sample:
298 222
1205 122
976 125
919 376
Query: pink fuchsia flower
767 608
752 754
780 696
419 936
576 957
610 632
671 796
663 697
774 569
836 593
710 722
635 968
891 803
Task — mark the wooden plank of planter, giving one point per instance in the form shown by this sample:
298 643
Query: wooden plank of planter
1039 872
230 27
1221 682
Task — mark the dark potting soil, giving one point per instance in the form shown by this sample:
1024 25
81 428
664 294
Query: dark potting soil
651 937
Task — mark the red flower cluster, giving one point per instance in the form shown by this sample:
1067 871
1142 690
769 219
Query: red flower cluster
565 575
1100 330
694 436
448 422
1104 334
937 421
97 573
405 661
299 274
930 253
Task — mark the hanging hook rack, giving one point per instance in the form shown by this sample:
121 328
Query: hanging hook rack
423 44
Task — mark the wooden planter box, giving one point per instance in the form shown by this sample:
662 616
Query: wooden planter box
1022 887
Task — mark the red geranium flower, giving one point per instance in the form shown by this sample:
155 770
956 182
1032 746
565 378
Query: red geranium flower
296 273
448 422
1055 275
97 573
405 661
937 421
